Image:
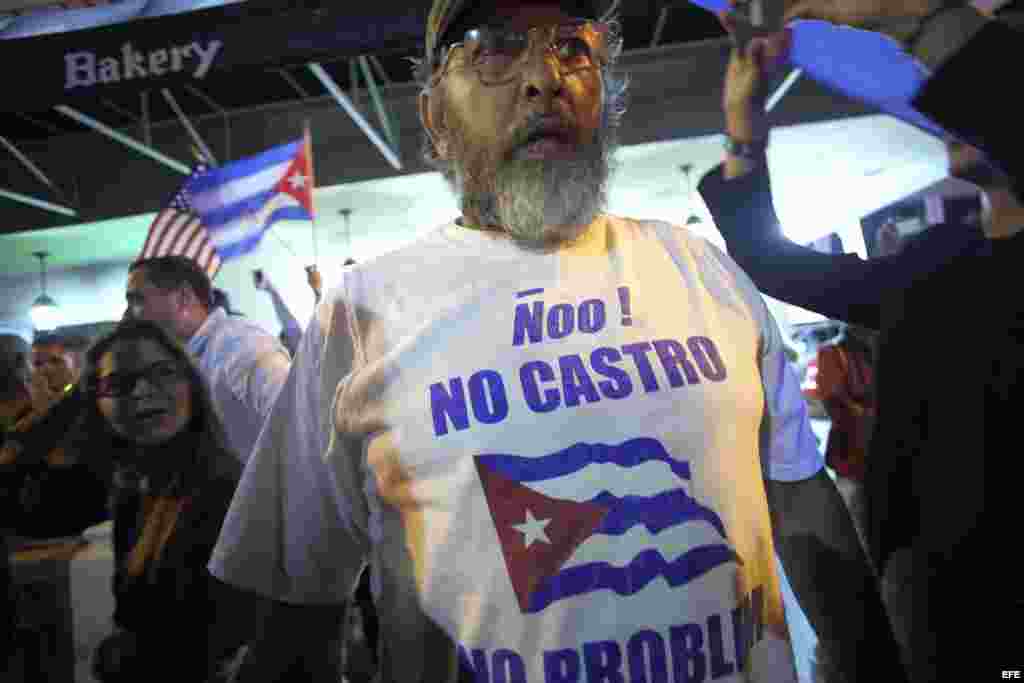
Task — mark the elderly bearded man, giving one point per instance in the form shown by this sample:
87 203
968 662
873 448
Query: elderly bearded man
562 439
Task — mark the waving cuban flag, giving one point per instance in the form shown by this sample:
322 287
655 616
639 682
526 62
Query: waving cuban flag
240 201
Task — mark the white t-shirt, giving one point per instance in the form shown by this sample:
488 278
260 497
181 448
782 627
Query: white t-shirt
553 462
244 367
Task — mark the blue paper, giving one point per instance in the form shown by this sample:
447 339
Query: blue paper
863 65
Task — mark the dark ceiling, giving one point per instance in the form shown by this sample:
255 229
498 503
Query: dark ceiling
646 23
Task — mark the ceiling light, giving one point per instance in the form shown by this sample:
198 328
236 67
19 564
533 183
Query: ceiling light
44 313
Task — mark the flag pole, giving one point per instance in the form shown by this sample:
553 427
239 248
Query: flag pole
308 142
284 244
201 158
311 271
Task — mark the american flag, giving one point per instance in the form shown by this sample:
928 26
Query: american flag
178 231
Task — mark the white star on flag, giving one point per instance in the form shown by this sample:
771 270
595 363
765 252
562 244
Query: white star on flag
298 181
533 529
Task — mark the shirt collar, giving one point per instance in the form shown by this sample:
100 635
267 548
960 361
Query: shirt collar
212 320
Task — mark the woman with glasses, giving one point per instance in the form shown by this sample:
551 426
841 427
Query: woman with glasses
147 407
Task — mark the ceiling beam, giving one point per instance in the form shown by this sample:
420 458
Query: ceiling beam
36 202
380 70
685 106
197 139
206 99
49 128
360 121
224 114
383 114
28 164
147 123
290 80
659 28
125 140
118 109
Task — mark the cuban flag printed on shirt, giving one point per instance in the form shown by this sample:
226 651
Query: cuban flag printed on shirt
561 538
238 202
862 65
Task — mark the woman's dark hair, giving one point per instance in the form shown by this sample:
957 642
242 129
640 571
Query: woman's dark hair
101 438
197 459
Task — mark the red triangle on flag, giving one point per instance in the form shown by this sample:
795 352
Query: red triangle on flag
537 533
298 180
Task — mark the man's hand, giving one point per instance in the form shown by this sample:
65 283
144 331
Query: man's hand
49 385
261 281
868 14
746 77
743 96
9 452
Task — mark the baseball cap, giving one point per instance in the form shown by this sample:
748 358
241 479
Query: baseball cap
451 18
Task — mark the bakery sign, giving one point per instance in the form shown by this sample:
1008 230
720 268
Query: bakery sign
86 68
127 58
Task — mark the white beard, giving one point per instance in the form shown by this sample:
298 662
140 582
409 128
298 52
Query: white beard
545 202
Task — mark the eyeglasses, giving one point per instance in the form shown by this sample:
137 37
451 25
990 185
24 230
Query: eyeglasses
498 54
162 374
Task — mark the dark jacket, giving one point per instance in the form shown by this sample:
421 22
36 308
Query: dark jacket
43 500
910 297
940 480
184 620
968 97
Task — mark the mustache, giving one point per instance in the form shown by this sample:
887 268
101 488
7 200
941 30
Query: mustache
537 126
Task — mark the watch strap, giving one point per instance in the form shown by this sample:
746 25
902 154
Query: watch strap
752 150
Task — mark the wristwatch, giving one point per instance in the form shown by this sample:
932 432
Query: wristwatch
752 151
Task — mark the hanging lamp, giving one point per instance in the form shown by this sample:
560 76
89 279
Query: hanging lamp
45 313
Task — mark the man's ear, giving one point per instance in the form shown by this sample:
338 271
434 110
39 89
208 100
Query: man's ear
432 119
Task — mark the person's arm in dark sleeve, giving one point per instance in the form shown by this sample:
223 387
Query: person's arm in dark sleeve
12 478
69 500
739 196
838 286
